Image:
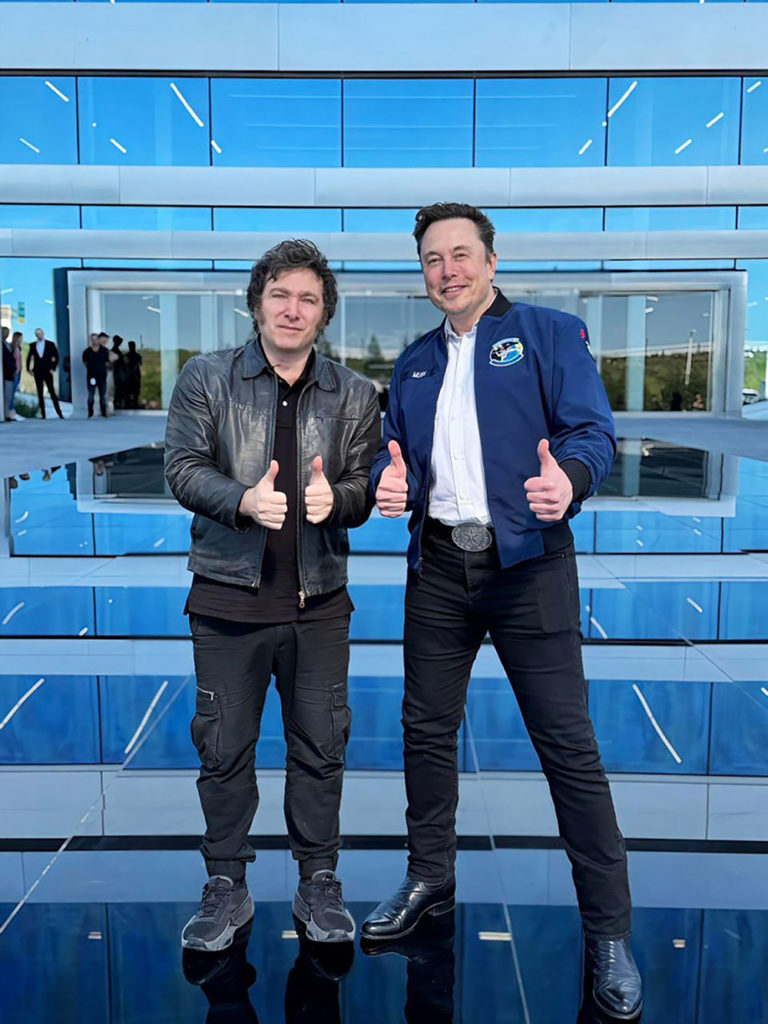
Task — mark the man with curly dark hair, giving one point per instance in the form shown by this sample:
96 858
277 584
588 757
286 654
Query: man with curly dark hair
270 445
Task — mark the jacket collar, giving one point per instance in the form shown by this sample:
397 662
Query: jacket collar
255 363
499 306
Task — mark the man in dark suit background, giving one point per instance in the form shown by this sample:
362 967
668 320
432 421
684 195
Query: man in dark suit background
42 360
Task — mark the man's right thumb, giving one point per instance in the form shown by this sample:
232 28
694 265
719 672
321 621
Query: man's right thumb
272 472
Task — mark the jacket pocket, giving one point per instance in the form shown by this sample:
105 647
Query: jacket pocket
205 728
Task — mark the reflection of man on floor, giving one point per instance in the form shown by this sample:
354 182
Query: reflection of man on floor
270 445
497 428
42 360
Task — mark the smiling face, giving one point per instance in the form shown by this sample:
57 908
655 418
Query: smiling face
457 271
290 314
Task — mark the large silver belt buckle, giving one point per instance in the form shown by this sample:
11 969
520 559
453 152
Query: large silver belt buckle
471 537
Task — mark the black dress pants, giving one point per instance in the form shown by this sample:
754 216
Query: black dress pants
99 383
531 611
234 662
45 380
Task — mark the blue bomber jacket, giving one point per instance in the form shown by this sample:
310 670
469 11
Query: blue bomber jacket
534 378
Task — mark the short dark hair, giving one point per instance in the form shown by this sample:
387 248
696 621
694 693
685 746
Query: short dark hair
102 334
293 254
429 215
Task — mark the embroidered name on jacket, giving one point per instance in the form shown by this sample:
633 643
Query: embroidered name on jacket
506 352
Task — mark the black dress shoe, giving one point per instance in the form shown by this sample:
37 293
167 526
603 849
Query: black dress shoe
399 915
616 985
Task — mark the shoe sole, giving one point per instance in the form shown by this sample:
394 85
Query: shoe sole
314 931
436 911
614 1014
242 915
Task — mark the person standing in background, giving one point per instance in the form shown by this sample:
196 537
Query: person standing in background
132 377
9 369
42 361
16 349
96 359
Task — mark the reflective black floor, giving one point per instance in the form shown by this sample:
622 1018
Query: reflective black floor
66 961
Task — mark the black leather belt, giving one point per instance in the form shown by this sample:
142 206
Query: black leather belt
465 536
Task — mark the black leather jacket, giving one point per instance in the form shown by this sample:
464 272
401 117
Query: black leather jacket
219 442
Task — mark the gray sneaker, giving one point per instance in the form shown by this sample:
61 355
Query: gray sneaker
225 907
319 905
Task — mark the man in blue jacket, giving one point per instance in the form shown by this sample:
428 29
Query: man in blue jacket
498 427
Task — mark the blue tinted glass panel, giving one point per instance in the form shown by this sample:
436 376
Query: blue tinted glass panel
628 741
653 532
754 137
46 611
31 281
534 220
739 725
39 216
742 610
408 123
38 120
42 934
583 529
34 735
748 529
498 732
732 949
671 218
380 220
44 515
753 217
656 611
276 122
146 218
757 325
128 534
378 612
664 121
376 742
164 742
529 122
287 222
379 534
141 611
154 121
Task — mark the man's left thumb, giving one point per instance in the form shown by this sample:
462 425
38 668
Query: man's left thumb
317 467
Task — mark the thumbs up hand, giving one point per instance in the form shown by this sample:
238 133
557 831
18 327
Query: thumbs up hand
263 503
318 495
392 492
550 493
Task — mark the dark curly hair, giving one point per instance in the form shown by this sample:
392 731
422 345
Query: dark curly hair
429 215
293 254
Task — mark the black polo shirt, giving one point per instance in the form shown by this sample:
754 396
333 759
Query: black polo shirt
276 600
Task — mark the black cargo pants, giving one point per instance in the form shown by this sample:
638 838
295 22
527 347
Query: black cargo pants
234 663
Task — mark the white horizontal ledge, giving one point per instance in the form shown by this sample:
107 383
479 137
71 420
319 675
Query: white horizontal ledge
706 662
378 187
259 37
352 246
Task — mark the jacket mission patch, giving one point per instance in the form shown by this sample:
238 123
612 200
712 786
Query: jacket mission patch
506 352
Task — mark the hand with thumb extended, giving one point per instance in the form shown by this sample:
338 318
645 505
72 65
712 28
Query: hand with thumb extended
550 493
318 495
263 503
392 492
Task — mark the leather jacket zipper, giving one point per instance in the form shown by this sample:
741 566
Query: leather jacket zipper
299 454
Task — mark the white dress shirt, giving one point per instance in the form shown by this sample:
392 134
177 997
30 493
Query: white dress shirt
457 490
40 346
